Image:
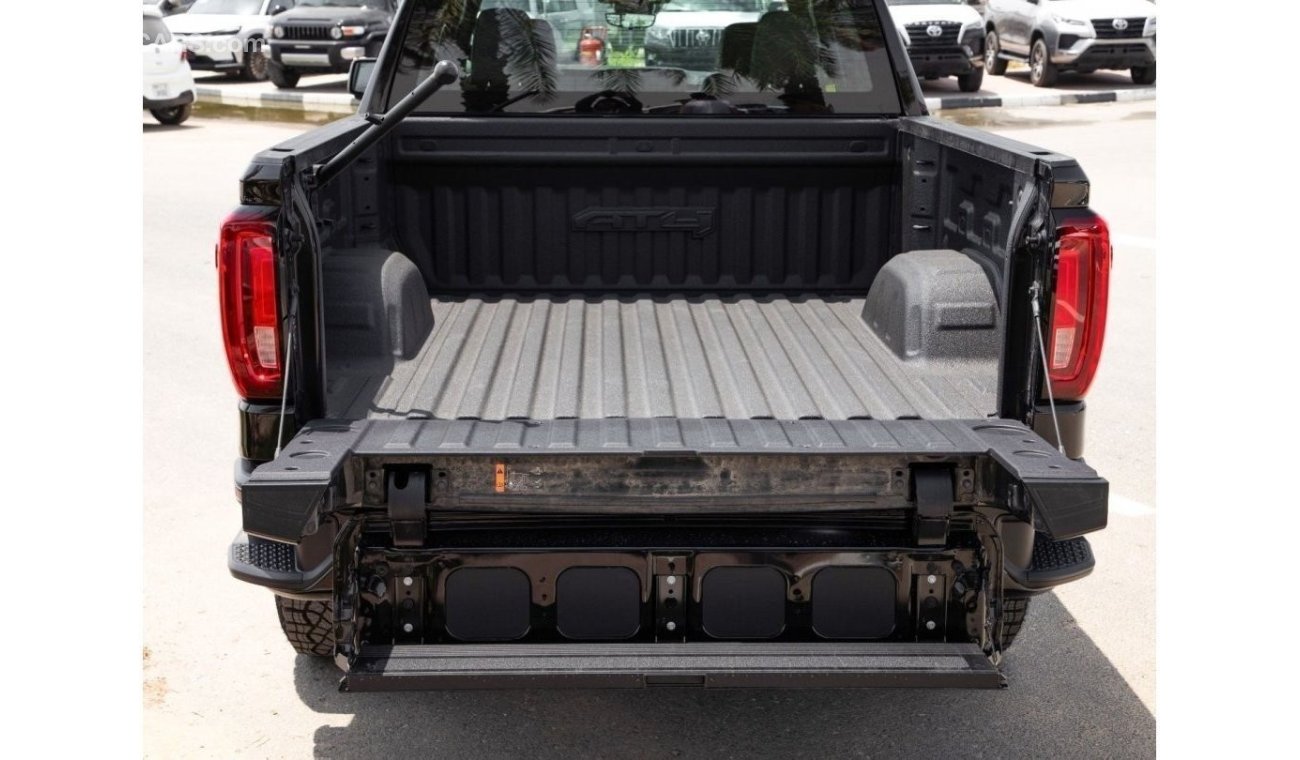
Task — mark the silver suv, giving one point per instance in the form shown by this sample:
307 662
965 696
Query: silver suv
1071 35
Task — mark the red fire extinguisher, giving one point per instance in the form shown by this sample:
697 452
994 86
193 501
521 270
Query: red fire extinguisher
591 49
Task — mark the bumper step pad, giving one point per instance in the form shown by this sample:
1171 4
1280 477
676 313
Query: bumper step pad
703 664
1055 562
271 563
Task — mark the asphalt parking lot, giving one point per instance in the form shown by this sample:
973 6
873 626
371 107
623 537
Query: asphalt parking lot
219 681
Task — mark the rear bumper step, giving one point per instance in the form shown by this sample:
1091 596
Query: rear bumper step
1055 563
273 564
707 665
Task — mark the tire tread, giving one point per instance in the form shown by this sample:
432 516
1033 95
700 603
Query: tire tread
1012 618
309 626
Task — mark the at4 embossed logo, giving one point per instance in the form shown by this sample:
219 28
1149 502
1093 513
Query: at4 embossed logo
696 220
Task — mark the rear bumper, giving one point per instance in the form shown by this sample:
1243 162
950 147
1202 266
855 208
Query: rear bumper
623 552
169 88
185 98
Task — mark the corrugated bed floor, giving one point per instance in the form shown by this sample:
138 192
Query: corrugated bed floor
709 357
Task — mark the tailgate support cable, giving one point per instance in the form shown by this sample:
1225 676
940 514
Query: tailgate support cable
288 365
1047 375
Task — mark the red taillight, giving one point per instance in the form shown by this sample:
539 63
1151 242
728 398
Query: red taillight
250 304
1078 320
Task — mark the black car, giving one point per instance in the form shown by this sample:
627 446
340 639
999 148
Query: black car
325 36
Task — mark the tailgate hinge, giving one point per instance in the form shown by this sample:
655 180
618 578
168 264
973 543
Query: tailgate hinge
407 504
934 503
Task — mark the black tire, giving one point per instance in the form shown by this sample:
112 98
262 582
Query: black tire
992 63
1143 74
1010 621
173 116
282 77
1042 72
256 63
971 82
309 626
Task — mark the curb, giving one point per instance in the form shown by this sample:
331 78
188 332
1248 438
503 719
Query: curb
345 104
1045 99
297 101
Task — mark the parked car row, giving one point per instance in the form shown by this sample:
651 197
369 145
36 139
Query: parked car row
284 39
278 40
952 38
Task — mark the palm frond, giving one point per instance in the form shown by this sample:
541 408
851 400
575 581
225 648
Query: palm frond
626 81
529 49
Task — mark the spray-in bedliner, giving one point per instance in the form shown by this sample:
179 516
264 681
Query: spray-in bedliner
734 358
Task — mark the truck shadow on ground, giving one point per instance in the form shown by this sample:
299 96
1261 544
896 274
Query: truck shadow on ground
1065 700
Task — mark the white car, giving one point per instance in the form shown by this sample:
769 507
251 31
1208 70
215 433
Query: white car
168 81
687 34
228 35
943 38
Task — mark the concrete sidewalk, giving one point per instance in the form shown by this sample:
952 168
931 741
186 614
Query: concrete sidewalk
328 93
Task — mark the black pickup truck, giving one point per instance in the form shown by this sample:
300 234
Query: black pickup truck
567 375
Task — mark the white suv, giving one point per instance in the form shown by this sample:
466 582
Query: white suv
1071 35
168 82
943 38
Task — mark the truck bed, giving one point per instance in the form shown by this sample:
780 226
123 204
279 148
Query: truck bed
700 357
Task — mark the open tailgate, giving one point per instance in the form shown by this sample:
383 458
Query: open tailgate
667 466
